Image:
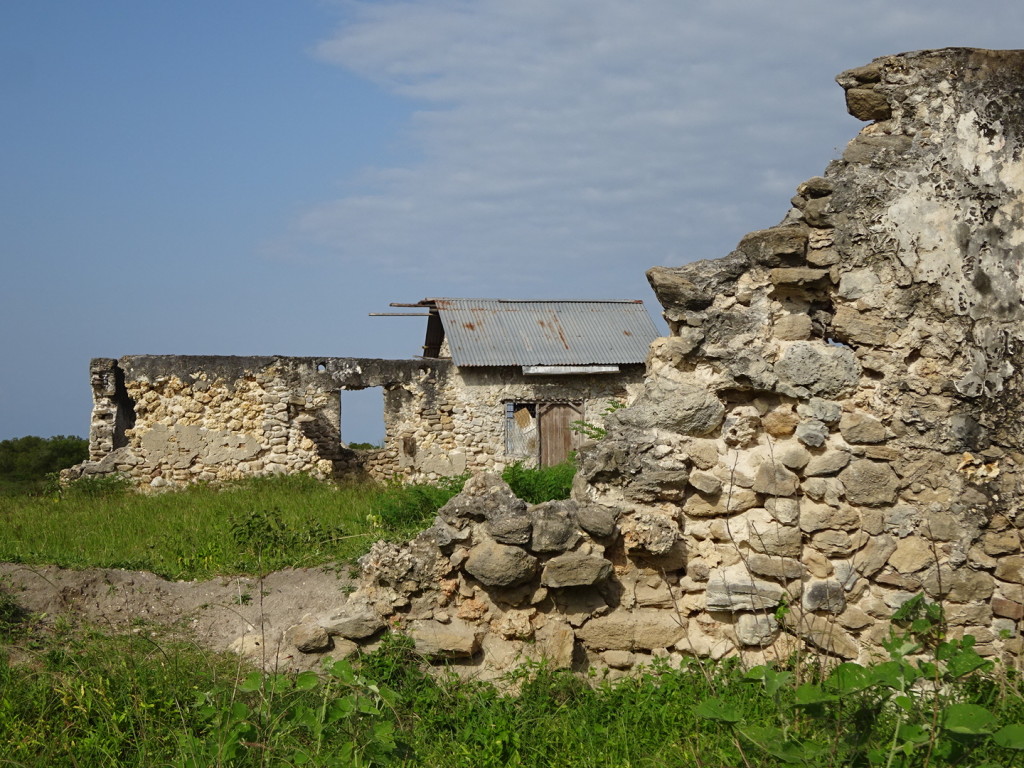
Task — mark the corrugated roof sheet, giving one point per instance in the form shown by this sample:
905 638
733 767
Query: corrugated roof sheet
484 332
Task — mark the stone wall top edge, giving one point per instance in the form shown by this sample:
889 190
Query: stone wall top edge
236 366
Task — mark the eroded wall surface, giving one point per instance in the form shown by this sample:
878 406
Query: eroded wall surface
167 420
833 426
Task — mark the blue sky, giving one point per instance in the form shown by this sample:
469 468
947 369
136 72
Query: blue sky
255 176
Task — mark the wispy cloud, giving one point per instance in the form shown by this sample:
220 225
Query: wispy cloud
587 137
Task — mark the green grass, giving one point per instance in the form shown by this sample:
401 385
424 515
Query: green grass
252 526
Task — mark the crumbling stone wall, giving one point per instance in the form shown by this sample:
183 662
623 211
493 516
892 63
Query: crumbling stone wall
832 426
166 420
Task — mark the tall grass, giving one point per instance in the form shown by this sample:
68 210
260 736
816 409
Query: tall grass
197 532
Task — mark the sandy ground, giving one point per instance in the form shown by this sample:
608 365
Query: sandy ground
214 614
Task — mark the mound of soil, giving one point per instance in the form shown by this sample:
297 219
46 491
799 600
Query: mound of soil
213 614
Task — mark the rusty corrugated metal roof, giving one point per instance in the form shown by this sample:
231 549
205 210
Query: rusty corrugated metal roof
484 332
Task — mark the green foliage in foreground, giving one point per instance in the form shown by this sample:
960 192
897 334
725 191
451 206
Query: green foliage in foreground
26 462
84 699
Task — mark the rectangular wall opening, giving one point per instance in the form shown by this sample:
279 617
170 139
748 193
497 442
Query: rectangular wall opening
362 418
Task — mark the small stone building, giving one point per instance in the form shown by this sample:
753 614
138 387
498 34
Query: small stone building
499 381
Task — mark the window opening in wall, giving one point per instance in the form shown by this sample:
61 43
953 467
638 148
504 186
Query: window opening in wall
521 430
362 417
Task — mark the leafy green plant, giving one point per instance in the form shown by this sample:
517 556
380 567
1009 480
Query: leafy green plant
926 705
594 431
342 720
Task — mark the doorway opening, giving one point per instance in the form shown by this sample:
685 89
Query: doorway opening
541 431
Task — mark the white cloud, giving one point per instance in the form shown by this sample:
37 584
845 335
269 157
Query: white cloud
585 137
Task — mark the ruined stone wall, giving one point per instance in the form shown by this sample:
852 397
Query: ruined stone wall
833 426
166 420
459 425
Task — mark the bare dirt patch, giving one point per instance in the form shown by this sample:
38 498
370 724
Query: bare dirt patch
214 614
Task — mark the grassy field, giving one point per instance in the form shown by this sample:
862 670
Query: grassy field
249 527
74 696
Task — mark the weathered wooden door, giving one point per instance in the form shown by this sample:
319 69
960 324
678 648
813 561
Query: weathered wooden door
556 438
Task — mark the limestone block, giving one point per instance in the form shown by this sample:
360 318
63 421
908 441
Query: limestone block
556 643
826 411
734 589
834 543
575 570
1011 569
741 426
705 482
824 489
816 563
646 629
500 565
703 453
701 507
857 283
798 276
959 585
553 527
618 659
307 638
595 519
784 568
773 479
826 596
793 327
756 629
868 104
817 517
854 618
870 483
673 405
809 368
737 499
794 456
645 532
780 422
812 433
860 428
1009 609
515 624
452 640
860 327
356 622
1001 542
784 510
827 463
775 539
911 555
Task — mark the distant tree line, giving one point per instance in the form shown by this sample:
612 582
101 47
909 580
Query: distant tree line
26 462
